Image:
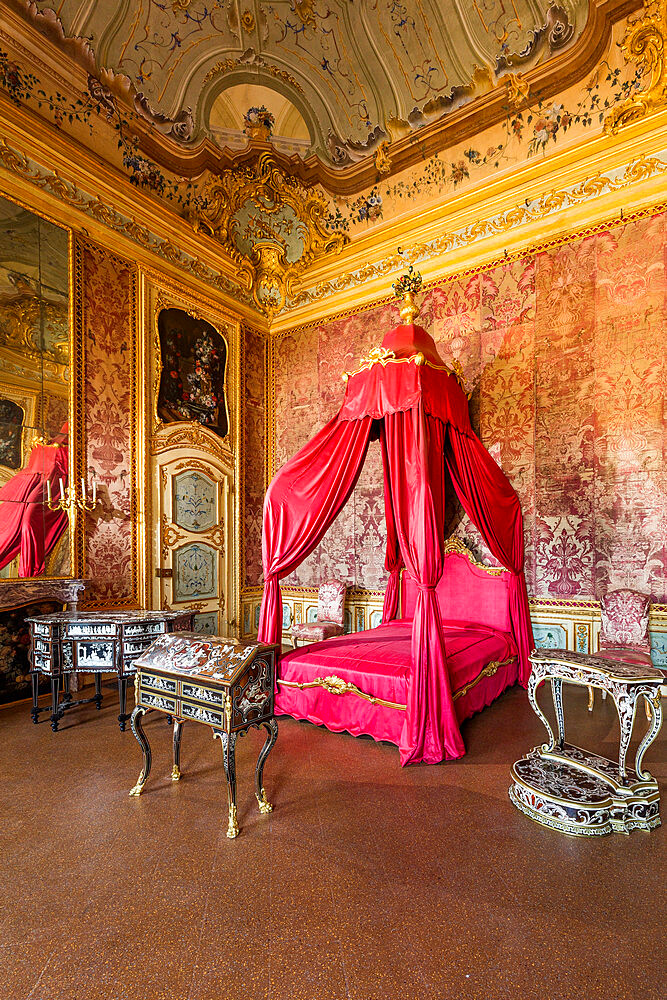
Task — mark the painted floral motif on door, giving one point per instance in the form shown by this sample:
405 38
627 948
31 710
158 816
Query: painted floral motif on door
195 572
194 503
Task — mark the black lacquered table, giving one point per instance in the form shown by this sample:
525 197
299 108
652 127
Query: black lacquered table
224 684
577 791
97 642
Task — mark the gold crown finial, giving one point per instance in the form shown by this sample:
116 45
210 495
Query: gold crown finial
406 287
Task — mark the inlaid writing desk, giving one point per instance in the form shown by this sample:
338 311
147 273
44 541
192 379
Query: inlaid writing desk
97 642
219 682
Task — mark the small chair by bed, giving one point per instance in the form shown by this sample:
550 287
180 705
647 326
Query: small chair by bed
329 622
624 634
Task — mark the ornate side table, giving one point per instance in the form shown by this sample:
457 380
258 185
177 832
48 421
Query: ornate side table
224 684
97 642
576 791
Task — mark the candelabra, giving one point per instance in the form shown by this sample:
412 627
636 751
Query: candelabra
70 501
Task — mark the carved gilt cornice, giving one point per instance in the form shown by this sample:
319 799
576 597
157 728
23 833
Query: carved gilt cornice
269 223
645 44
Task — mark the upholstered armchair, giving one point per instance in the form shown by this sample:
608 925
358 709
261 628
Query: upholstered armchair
329 622
624 633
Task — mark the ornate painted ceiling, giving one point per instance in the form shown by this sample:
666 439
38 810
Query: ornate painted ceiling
359 73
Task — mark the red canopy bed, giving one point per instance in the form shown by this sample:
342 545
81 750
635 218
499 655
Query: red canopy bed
456 619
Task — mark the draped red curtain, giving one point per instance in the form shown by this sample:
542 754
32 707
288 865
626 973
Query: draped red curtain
492 505
301 502
393 561
27 526
414 445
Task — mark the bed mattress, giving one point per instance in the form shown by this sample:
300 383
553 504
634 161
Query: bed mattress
377 662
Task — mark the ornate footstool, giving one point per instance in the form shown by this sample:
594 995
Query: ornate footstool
97 642
574 790
224 684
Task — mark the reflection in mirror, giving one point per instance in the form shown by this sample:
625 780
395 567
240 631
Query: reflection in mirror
34 393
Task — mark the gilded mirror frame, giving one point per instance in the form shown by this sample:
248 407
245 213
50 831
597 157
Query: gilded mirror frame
75 401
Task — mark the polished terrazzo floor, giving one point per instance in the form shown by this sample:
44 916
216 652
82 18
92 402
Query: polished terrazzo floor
367 881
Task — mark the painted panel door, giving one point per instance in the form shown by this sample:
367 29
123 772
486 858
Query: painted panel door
194 539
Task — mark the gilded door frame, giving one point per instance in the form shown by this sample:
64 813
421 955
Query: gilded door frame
159 293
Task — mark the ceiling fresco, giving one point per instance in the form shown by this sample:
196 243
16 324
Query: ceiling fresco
358 72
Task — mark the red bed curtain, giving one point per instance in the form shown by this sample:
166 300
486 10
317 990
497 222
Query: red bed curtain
393 562
302 501
415 446
490 502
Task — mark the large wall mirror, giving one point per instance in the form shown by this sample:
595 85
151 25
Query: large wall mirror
35 345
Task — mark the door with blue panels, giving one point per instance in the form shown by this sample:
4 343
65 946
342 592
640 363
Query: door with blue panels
195 539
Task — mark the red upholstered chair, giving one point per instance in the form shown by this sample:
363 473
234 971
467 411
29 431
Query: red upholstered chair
330 605
624 634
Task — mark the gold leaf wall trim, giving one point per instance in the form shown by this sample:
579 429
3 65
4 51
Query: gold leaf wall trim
67 192
522 214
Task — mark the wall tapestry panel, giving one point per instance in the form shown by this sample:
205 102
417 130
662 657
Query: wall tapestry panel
109 290
254 452
563 354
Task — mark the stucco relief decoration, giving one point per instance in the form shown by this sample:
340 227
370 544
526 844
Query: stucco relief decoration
269 223
645 44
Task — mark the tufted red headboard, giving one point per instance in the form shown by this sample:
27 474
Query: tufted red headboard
467 592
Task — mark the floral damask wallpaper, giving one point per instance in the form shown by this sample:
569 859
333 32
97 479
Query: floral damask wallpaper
108 324
564 354
254 450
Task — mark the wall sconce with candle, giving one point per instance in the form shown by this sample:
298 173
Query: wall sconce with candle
69 500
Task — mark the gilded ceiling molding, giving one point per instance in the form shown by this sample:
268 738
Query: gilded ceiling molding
645 43
69 194
525 212
269 224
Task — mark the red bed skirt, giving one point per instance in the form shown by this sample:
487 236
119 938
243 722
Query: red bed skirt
377 663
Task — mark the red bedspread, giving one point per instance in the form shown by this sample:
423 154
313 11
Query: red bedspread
378 663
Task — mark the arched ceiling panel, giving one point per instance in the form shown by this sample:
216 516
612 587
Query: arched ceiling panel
361 66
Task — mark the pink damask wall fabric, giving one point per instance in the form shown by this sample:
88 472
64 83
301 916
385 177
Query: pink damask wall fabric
107 305
254 450
564 355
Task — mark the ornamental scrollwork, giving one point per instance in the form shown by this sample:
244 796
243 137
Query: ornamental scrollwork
269 223
645 43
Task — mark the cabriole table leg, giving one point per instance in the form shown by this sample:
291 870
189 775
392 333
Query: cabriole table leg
229 763
138 730
178 732
272 735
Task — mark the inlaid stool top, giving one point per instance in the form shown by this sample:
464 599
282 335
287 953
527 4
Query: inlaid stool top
200 657
589 663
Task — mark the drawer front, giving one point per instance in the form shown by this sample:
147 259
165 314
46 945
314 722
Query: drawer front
156 699
89 630
202 713
144 630
197 692
157 683
42 661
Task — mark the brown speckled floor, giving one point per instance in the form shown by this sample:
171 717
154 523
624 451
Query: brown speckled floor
367 881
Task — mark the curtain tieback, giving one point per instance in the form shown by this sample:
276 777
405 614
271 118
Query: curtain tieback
426 586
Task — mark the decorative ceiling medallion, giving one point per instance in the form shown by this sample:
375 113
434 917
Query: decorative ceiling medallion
645 43
270 224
